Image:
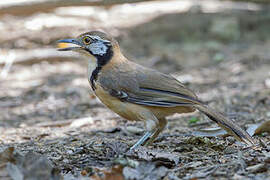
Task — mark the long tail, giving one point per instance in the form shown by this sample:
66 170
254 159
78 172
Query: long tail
226 124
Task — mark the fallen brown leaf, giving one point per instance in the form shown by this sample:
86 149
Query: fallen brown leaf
264 127
115 173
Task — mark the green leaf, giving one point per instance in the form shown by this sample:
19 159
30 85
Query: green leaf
193 120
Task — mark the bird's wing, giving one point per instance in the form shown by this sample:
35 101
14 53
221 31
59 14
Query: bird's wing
145 86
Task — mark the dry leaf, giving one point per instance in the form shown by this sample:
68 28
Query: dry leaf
210 132
115 173
255 129
264 127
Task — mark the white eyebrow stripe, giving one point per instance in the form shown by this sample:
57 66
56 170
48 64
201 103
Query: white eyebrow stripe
100 39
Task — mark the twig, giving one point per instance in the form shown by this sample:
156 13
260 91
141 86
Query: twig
8 60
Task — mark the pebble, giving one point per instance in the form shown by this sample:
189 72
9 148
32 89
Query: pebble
267 83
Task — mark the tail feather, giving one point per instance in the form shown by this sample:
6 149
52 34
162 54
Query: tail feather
226 124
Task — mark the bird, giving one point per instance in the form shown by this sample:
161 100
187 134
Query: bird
139 93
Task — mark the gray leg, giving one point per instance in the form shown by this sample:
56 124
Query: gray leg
162 124
142 140
154 129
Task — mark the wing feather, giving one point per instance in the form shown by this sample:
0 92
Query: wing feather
148 87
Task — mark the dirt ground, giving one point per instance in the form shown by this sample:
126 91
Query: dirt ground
52 126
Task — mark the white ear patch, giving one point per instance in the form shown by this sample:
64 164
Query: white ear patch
99 47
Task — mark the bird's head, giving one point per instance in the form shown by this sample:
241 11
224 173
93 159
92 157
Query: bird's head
94 43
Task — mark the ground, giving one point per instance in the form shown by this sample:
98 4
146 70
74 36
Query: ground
52 125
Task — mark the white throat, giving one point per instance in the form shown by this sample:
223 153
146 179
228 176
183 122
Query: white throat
91 66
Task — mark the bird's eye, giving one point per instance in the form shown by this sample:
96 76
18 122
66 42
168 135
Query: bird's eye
86 40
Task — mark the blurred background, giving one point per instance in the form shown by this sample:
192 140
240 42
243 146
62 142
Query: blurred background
219 49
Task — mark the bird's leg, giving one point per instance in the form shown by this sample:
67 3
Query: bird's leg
154 128
142 140
161 125
151 127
